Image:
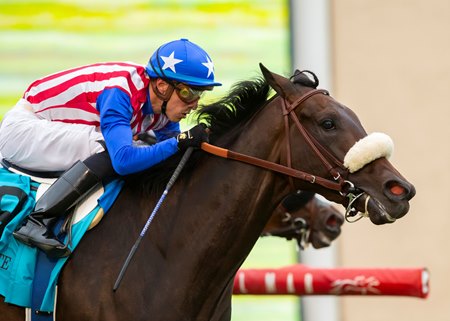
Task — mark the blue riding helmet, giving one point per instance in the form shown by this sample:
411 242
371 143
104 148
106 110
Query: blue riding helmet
182 61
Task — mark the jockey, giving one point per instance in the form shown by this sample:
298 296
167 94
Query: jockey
83 120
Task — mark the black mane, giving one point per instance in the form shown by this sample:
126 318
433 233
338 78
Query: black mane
234 109
228 115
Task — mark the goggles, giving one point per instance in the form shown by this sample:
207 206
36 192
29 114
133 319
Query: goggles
188 94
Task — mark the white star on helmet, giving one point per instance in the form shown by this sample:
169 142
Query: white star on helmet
170 62
209 64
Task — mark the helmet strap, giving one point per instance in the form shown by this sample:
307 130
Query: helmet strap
164 97
159 94
164 108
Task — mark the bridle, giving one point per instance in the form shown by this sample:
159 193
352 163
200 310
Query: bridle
336 168
293 227
319 150
346 188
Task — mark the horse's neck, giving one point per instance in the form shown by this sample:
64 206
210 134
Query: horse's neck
203 231
219 213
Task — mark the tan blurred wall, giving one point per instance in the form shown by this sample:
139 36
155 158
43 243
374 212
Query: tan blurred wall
392 67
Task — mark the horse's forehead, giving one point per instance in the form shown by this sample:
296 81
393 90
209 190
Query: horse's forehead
321 104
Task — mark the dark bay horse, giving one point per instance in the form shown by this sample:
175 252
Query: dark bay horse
215 212
306 218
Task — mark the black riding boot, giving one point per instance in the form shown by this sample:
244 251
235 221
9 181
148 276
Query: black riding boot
64 193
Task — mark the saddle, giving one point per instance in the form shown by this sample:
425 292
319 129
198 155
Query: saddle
20 283
45 179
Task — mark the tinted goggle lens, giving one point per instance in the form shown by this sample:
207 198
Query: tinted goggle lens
188 94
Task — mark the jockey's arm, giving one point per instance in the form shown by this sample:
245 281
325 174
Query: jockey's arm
170 130
115 116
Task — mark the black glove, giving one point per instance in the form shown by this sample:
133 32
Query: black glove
193 137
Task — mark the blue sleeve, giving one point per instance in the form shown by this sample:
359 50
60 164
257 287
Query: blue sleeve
170 130
115 116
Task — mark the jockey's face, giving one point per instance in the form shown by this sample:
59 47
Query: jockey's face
177 109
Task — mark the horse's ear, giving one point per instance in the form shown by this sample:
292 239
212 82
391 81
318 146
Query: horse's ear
280 84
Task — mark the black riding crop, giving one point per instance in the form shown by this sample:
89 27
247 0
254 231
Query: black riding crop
172 180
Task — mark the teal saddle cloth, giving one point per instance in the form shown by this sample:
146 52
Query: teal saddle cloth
18 261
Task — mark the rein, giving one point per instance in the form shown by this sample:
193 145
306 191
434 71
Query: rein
288 170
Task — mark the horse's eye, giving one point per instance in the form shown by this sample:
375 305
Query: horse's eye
328 124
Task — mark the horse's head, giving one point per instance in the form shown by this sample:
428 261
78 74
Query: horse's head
350 166
307 219
326 225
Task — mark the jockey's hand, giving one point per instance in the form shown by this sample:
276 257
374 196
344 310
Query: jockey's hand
193 137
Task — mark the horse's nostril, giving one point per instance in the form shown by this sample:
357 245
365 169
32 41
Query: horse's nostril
397 189
332 221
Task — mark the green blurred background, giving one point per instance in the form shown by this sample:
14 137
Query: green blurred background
42 37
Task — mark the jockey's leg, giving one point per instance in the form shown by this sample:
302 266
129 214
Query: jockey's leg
62 195
33 143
